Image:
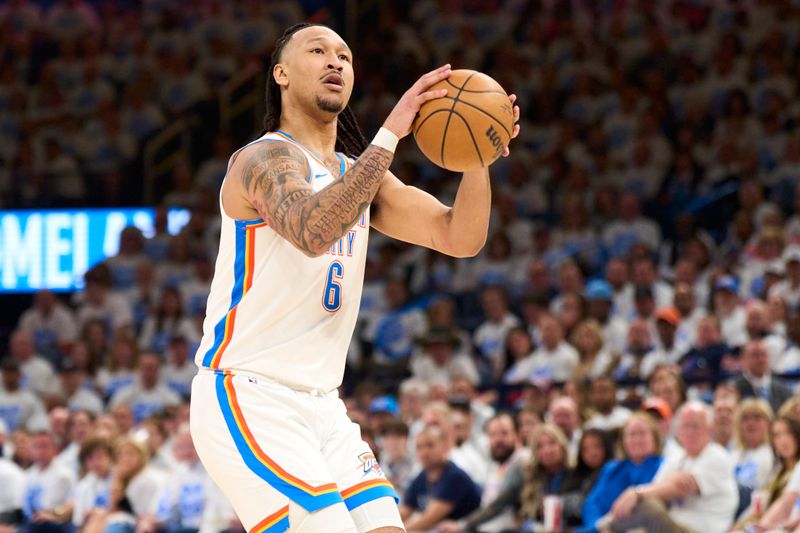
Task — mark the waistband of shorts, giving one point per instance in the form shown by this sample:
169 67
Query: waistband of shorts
266 380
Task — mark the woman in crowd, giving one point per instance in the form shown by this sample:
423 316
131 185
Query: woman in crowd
752 454
133 491
550 473
587 338
519 345
595 450
786 444
641 448
666 383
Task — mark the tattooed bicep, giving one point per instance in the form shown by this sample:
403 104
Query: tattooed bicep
275 176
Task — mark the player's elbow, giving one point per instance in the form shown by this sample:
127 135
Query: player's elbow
469 247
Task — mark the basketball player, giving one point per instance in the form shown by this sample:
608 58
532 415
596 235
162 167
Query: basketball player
266 418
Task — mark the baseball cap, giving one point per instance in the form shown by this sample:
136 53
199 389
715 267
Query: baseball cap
727 283
599 289
383 404
776 267
669 314
791 253
659 406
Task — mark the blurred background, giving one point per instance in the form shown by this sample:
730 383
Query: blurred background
644 228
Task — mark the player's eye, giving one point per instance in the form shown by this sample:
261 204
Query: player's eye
317 50
344 57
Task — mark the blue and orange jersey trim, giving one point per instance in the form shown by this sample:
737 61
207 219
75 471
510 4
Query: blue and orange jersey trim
308 496
243 267
277 522
366 491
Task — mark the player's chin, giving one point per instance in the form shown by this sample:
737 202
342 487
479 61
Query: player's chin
330 104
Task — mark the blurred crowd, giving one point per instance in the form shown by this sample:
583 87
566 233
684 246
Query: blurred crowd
623 352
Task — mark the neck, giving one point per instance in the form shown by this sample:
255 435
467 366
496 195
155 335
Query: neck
312 131
434 472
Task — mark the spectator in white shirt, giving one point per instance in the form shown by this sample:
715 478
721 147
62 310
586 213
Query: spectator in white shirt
100 303
563 412
732 316
667 351
79 428
553 361
491 334
752 453
789 288
696 482
48 483
182 502
439 360
684 300
51 323
180 369
631 228
19 408
645 275
758 328
76 391
147 395
600 299
93 490
607 415
12 479
37 373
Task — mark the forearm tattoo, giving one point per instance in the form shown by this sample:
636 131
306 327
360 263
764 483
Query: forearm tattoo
275 177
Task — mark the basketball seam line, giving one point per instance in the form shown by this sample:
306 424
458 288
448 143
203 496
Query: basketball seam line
471 136
473 90
450 116
499 123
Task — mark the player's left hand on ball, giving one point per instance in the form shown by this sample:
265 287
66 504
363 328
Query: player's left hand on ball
515 131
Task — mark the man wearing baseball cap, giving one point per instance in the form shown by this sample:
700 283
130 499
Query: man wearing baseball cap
729 311
668 319
600 299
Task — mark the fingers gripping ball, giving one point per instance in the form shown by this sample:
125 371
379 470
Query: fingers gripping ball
470 127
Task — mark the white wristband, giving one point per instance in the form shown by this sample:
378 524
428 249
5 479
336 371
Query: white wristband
386 140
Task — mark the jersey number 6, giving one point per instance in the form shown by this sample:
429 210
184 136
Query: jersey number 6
332 296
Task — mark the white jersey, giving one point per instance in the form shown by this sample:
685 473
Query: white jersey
275 312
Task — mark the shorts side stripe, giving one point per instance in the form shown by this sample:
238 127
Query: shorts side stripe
275 523
309 497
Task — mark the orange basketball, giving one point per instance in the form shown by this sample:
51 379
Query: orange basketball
470 127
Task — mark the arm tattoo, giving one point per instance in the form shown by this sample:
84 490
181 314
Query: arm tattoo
275 175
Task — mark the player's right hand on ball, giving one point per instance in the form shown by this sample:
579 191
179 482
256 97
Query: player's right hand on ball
402 116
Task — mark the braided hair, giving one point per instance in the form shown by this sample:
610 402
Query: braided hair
349 138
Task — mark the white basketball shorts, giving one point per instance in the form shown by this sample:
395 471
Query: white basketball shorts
266 444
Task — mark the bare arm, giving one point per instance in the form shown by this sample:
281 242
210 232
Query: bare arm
675 486
409 214
436 511
779 511
274 176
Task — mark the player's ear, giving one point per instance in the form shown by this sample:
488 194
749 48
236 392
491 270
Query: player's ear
281 74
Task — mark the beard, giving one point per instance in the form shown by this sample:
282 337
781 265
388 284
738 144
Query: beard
500 454
329 105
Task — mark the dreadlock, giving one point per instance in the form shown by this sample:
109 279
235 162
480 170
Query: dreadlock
349 138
